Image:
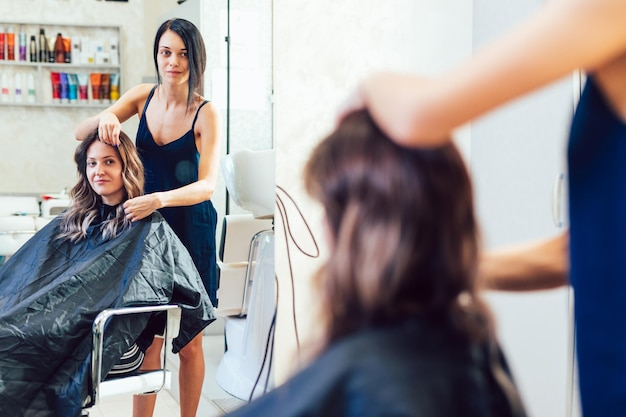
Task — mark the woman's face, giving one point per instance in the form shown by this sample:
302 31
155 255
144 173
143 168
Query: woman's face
172 59
104 172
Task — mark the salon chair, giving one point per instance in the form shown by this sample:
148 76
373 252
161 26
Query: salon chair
148 382
247 293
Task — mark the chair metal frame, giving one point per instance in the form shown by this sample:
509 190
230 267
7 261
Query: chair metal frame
146 380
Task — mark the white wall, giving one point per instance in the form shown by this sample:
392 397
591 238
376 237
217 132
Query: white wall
322 48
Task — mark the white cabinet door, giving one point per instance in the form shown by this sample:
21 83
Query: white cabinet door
517 153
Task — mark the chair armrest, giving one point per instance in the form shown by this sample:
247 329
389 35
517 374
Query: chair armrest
171 331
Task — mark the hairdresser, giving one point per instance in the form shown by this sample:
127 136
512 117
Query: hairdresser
563 36
178 141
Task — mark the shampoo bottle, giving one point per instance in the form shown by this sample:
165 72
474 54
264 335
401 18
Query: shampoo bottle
43 46
23 46
4 88
32 95
11 45
59 49
2 43
33 49
17 97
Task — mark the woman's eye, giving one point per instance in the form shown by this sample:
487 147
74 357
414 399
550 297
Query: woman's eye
184 54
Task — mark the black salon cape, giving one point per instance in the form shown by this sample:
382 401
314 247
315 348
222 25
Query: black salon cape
50 292
416 368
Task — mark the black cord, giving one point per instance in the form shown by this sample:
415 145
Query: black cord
287 235
270 341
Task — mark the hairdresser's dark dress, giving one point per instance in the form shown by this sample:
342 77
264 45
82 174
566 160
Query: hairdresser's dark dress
597 181
173 166
419 368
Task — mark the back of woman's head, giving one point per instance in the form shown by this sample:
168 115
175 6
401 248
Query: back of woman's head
86 203
402 225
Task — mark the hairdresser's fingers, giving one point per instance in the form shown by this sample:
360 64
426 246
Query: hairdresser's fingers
115 135
139 207
109 128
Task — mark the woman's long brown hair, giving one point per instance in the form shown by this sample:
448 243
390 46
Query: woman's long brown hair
403 230
86 202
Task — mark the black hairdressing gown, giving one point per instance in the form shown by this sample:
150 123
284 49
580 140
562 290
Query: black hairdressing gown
421 367
50 292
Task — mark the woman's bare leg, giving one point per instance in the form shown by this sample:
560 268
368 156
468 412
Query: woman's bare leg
191 376
143 405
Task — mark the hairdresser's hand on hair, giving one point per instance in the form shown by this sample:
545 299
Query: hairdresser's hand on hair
141 207
109 128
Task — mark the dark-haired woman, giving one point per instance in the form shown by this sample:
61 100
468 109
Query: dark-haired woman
178 141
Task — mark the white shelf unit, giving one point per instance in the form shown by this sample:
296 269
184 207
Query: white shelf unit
101 34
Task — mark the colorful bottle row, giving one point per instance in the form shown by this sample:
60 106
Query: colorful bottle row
72 88
57 49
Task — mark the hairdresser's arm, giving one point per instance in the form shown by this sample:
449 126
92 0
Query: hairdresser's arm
208 129
563 36
109 121
539 265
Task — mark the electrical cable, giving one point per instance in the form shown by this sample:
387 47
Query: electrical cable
288 236
282 208
270 341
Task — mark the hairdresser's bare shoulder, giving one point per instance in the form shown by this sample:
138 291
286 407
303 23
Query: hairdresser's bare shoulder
139 92
131 102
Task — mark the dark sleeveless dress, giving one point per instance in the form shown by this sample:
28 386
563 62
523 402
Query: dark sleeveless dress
173 166
597 193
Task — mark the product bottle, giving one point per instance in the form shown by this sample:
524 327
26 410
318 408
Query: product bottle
51 51
4 88
17 97
59 49
11 45
43 46
22 46
32 98
2 43
67 48
33 49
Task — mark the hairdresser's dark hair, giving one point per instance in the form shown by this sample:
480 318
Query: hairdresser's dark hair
86 203
405 238
196 52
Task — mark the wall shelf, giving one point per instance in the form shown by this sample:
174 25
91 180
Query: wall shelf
95 49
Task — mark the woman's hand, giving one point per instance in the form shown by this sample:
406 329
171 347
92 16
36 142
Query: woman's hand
141 207
109 128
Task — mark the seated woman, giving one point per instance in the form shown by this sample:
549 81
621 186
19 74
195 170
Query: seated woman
89 258
404 331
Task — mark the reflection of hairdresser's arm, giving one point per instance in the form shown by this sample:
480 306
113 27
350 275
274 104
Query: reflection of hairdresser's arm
544 48
532 266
